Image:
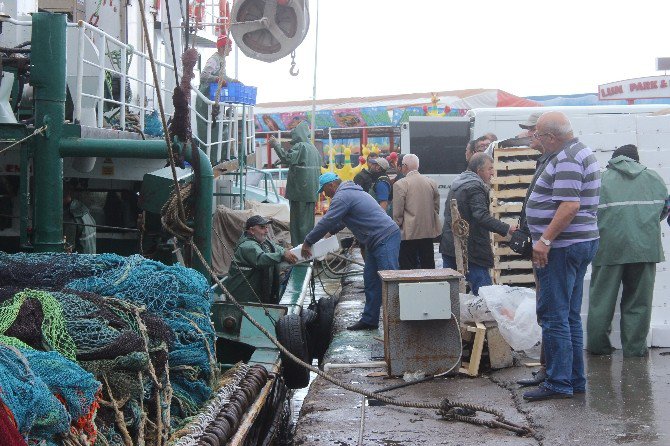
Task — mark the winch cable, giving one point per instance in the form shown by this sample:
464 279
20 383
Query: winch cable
174 56
159 98
448 409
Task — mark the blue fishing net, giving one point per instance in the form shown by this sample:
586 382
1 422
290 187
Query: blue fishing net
31 382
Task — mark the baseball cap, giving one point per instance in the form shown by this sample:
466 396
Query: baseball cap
381 161
255 221
221 41
326 178
531 122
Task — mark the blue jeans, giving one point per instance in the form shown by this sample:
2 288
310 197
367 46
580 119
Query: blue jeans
382 256
558 310
477 275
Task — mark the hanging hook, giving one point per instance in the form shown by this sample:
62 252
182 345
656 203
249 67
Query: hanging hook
293 70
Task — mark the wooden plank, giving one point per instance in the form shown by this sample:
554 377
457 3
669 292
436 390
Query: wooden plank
506 209
514 151
499 238
472 368
513 179
503 251
514 165
516 278
251 414
509 193
514 264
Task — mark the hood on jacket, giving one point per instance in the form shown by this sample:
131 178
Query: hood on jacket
300 133
466 177
349 185
626 166
77 208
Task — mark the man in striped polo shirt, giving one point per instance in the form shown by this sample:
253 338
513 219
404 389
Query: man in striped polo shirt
561 213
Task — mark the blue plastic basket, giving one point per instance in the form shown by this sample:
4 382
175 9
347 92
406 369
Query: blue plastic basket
235 92
212 90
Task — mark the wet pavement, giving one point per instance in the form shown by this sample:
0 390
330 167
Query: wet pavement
626 400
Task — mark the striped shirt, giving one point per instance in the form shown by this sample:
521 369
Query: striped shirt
572 175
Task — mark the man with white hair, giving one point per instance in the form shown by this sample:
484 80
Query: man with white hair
416 210
561 213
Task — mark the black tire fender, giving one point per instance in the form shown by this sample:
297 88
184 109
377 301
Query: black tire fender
292 335
323 333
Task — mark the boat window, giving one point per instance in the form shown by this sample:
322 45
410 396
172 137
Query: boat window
440 146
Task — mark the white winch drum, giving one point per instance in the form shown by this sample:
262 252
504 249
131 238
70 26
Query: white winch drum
268 30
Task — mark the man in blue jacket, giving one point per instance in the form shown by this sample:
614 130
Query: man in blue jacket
354 208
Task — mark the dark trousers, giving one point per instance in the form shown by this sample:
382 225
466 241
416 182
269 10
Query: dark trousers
418 253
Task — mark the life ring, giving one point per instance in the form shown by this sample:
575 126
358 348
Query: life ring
223 21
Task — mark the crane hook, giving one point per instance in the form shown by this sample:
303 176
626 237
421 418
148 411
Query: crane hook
293 70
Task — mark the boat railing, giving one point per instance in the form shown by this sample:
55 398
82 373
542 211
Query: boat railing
101 57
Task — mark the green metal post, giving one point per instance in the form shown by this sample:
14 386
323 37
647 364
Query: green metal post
203 209
47 76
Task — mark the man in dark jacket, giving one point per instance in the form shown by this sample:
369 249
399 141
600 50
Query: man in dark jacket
354 208
254 271
304 167
471 192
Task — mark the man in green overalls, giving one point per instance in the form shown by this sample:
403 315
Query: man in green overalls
632 201
215 70
254 272
302 182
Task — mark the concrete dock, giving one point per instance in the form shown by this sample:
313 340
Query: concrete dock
626 400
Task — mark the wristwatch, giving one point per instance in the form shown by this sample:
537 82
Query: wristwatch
545 241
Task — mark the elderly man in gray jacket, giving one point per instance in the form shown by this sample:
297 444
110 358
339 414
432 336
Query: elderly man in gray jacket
471 191
416 210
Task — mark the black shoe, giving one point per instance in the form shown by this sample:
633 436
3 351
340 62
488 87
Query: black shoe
543 393
537 379
360 325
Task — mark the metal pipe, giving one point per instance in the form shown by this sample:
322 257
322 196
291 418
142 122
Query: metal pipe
360 365
203 208
48 77
113 148
80 76
101 80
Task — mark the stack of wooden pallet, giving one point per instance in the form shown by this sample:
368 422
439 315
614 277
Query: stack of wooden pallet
514 168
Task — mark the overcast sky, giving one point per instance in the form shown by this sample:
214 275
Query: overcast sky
380 47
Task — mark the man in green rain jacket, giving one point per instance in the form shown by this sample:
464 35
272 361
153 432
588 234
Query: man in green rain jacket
254 272
302 183
632 201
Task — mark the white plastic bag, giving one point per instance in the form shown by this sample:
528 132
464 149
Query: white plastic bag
474 309
514 310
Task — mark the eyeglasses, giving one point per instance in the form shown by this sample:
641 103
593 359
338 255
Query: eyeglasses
539 135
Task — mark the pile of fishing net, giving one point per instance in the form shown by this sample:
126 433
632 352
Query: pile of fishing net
132 335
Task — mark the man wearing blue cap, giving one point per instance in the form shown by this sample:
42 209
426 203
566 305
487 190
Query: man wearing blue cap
354 208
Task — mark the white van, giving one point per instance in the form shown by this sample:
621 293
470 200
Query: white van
440 145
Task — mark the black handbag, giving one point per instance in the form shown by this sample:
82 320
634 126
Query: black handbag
521 242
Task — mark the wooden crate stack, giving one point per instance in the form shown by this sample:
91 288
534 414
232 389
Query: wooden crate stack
514 168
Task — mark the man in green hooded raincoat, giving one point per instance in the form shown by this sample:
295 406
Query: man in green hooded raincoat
254 271
302 182
632 200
